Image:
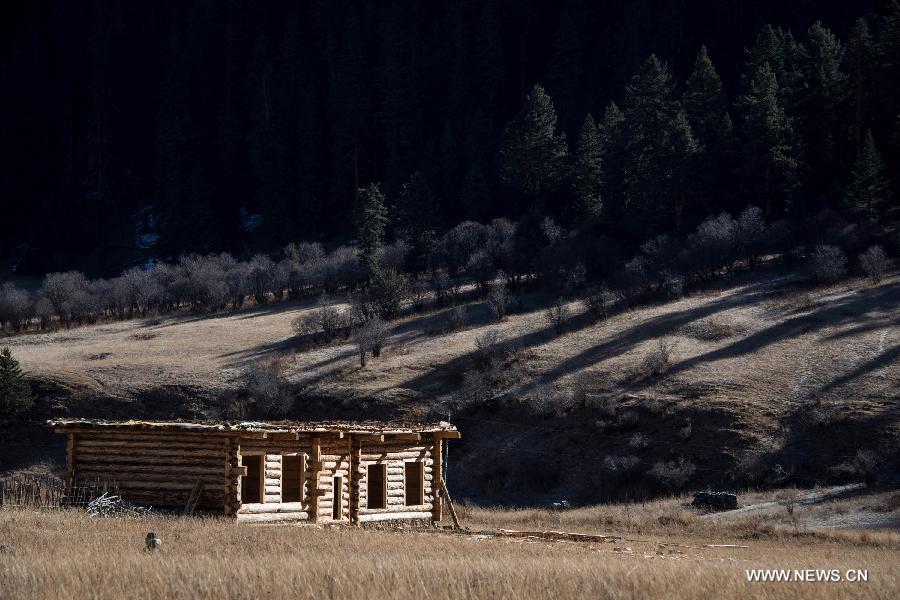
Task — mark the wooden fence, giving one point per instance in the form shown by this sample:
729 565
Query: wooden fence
49 491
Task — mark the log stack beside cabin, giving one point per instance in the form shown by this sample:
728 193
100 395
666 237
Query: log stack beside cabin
274 471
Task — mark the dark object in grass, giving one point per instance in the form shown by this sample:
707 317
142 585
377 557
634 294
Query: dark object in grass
714 501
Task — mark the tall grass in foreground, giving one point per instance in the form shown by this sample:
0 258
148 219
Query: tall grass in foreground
68 555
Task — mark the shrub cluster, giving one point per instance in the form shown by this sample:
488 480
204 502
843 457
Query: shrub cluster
496 257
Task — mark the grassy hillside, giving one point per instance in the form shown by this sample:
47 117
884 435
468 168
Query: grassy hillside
767 381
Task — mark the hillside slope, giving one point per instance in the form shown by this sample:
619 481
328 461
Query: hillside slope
768 381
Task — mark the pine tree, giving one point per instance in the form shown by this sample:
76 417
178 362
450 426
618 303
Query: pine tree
779 49
609 129
817 109
656 144
416 215
706 108
587 171
704 101
859 62
769 160
869 189
532 153
682 165
372 222
15 393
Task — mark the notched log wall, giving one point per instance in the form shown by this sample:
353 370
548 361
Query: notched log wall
161 468
154 469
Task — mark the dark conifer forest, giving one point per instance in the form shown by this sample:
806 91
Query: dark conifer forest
136 132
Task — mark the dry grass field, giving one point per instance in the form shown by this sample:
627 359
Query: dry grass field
663 553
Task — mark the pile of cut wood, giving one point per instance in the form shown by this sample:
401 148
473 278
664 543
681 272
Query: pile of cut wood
109 505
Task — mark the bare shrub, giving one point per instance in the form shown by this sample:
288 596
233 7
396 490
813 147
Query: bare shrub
624 464
489 347
598 301
304 252
418 293
627 419
543 400
557 314
672 474
875 263
15 306
658 360
306 325
713 329
393 256
370 336
441 283
579 390
604 405
863 466
752 234
388 291
498 299
672 285
476 389
456 318
639 441
325 322
265 383
714 245
829 264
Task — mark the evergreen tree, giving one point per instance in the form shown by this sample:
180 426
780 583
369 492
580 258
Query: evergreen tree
707 111
869 189
657 144
609 130
15 393
587 170
769 156
704 101
610 127
817 109
532 153
416 216
682 165
777 48
859 62
371 225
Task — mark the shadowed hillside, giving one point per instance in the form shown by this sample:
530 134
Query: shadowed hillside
759 380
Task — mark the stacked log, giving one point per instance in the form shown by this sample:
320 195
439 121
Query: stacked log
156 469
159 465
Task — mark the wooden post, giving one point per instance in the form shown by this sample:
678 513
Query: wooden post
315 468
355 457
233 473
438 479
70 463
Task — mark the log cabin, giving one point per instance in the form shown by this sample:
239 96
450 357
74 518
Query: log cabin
321 472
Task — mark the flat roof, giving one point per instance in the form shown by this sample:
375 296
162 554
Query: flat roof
226 427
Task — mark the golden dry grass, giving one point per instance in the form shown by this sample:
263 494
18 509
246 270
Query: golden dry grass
68 555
